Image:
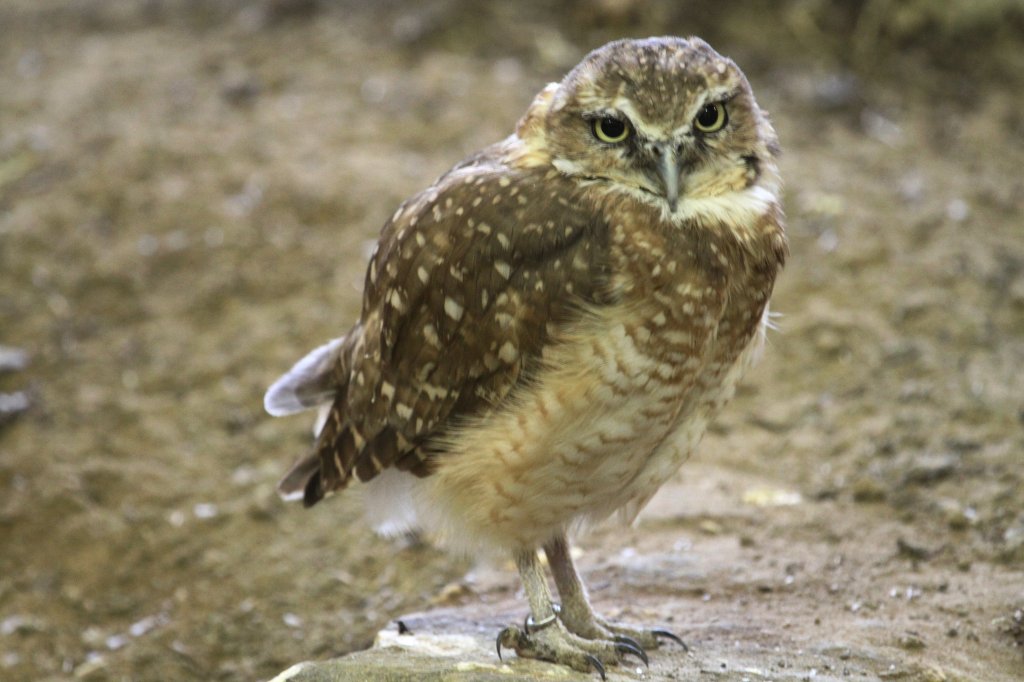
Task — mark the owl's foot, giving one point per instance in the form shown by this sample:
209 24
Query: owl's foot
596 627
551 641
577 615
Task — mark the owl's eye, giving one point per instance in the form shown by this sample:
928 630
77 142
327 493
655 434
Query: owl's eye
610 129
711 118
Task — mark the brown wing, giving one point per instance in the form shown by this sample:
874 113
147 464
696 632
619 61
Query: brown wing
468 283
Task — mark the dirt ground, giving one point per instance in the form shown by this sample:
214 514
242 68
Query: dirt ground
188 192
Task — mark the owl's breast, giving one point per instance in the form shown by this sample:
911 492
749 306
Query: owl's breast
570 444
704 289
619 398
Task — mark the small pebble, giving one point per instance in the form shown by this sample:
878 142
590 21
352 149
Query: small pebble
115 642
12 404
19 624
12 359
910 641
205 510
957 210
912 551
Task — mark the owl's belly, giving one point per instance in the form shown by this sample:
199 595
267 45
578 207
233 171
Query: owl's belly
715 387
578 444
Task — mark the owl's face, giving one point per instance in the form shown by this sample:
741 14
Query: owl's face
664 119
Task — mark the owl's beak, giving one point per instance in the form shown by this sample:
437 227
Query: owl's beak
668 172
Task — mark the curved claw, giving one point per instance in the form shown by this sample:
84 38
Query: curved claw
626 648
623 639
497 642
660 632
598 666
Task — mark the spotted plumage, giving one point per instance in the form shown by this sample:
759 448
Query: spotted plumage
547 330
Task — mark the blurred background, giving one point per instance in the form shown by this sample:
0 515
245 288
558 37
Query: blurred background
188 193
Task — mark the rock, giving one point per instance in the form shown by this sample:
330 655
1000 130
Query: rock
1014 627
912 551
12 359
13 404
431 650
1013 541
457 644
240 87
449 645
930 468
866 488
93 668
910 641
21 625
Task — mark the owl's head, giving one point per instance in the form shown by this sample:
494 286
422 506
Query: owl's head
665 119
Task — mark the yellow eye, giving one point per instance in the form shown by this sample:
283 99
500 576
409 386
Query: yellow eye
610 129
711 118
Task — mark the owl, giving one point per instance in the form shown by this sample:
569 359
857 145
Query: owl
547 330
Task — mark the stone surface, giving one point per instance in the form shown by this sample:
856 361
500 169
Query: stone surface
751 607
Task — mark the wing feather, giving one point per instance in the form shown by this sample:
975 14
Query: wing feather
468 282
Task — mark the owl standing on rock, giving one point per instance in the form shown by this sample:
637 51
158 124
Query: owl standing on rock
547 330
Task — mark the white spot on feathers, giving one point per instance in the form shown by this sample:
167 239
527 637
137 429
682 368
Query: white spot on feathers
452 308
508 353
430 335
396 300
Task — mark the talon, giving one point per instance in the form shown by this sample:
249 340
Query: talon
627 648
598 666
628 640
660 632
511 631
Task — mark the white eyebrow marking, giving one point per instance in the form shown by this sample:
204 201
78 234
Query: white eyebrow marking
643 127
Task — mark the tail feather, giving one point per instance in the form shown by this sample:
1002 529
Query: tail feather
294 484
311 382
314 491
327 468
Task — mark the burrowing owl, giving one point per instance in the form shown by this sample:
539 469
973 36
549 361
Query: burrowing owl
548 328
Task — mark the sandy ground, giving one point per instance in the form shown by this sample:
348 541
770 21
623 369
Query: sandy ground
187 195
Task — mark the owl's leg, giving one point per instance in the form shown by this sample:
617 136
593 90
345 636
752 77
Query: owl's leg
546 638
576 612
